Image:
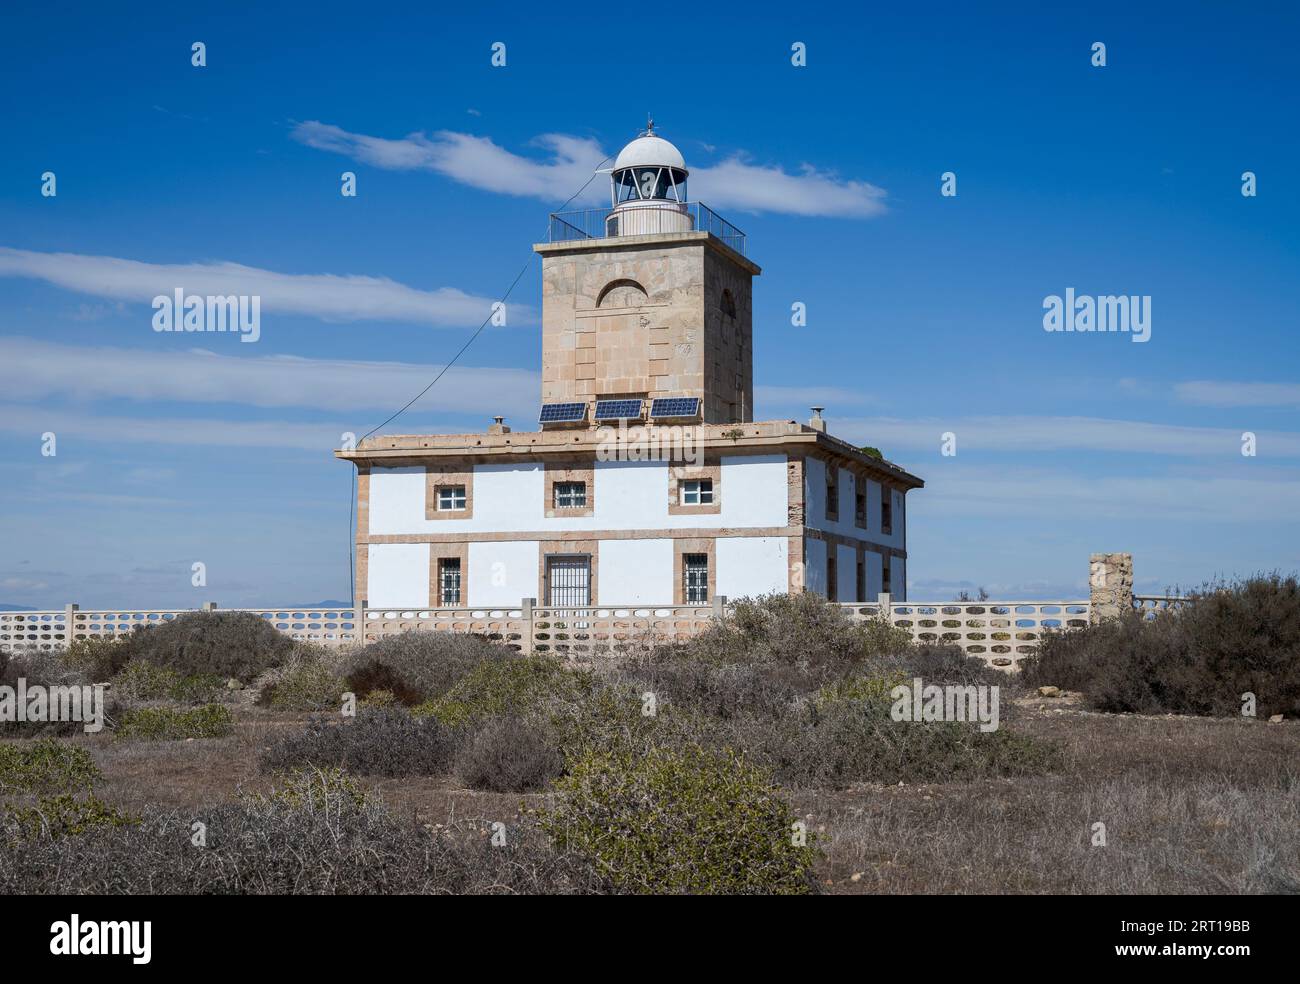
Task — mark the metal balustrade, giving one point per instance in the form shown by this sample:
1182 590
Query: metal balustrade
648 218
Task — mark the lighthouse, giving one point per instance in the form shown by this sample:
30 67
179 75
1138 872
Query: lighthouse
647 329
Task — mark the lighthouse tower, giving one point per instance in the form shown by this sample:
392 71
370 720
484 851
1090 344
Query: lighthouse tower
648 300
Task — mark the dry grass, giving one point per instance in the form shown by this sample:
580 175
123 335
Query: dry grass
1191 805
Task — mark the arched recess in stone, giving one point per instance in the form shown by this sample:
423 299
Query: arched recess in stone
622 293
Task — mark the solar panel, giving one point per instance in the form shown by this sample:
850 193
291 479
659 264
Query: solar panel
675 406
618 409
562 413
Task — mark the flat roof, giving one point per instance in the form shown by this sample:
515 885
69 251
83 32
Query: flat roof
394 448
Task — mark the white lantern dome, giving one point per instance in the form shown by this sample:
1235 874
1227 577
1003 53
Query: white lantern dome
650 151
648 188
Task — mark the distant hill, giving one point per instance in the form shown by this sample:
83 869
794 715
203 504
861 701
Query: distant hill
18 608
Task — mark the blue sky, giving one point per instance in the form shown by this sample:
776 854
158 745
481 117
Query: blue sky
924 312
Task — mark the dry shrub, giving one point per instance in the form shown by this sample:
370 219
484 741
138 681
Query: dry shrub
840 742
1226 641
509 755
418 666
800 628
378 742
317 834
220 644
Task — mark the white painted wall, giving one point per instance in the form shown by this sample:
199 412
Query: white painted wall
815 511
629 495
815 569
751 565
398 575
846 573
502 572
635 572
875 575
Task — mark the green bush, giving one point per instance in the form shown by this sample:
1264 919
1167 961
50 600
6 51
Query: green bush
680 821
141 680
872 688
1226 640
304 684
516 685
314 788
175 723
217 644
46 764
98 658
61 816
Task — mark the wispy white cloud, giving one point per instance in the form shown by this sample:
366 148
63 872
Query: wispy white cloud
329 297
1228 394
31 422
40 370
1042 434
569 161
804 397
471 160
738 184
1034 493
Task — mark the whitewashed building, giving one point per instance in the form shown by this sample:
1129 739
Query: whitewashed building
647 480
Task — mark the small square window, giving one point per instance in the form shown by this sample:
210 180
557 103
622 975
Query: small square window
451 498
697 492
570 495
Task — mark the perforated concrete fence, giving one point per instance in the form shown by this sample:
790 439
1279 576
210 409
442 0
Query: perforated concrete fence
26 631
1000 632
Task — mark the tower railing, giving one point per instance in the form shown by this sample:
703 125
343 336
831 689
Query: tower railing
644 218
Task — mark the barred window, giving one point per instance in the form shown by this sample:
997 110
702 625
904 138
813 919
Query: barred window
695 577
570 495
449 582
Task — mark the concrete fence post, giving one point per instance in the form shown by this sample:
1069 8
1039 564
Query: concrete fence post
884 602
719 606
69 623
1110 585
359 620
526 607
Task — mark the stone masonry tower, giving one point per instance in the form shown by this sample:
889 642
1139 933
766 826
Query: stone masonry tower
649 299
